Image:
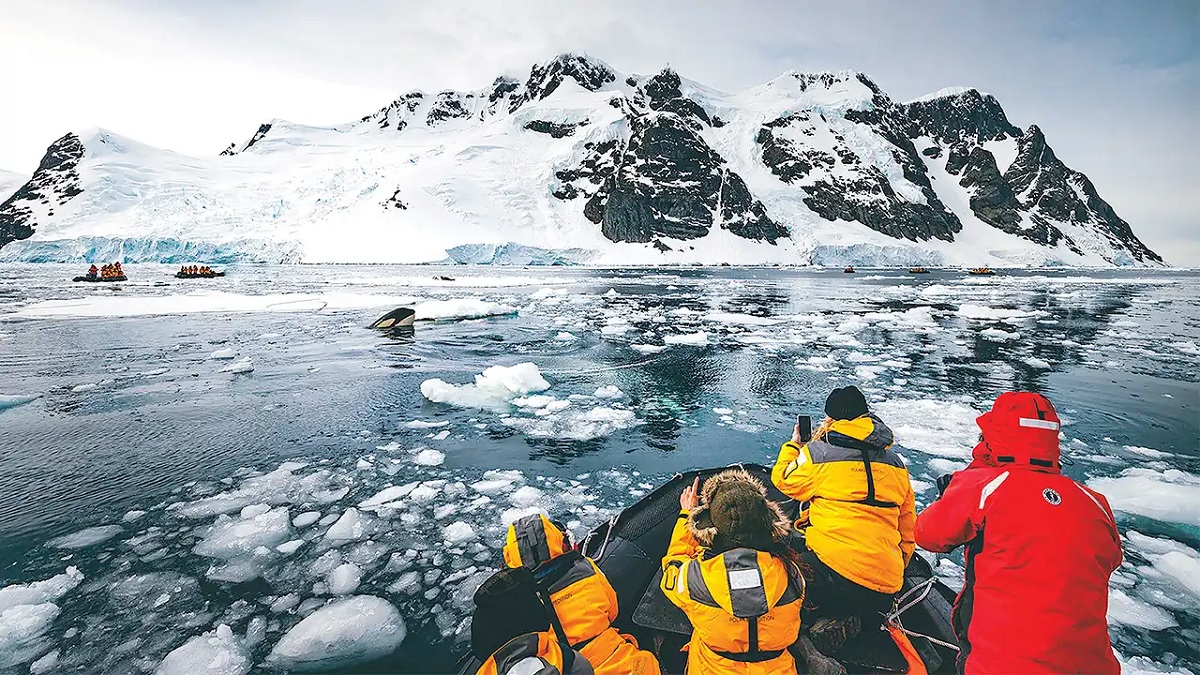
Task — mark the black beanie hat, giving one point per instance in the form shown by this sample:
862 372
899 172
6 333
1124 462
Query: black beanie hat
506 605
846 403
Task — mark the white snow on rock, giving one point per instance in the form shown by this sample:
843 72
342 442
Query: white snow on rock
495 388
341 634
26 612
214 653
344 579
225 354
84 538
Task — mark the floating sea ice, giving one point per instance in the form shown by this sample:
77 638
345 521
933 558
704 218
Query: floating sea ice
229 538
608 391
26 612
564 336
87 386
649 349
1182 569
1133 612
1147 452
985 313
997 335
699 338
226 353
415 424
344 579
575 425
740 319
723 411
290 547
458 532
943 428
494 388
307 518
1169 495
341 634
45 664
441 435
83 538
284 603
429 457
1035 362
351 526
215 653
13 400
461 308
243 366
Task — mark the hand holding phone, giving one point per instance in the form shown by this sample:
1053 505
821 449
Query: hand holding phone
803 431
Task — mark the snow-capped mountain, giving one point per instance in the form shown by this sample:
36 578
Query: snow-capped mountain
578 163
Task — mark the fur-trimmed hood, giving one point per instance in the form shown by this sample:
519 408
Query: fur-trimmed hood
700 521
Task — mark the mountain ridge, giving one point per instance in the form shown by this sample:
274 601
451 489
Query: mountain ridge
821 168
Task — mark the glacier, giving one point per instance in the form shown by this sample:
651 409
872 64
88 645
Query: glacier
582 165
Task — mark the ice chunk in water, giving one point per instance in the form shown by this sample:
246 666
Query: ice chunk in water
1133 612
352 526
344 579
1168 495
26 612
307 518
45 664
243 366
84 538
698 338
429 457
215 653
14 400
495 388
224 354
229 538
339 635
458 532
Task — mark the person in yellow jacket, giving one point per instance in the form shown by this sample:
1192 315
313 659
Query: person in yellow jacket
583 599
511 630
861 518
727 567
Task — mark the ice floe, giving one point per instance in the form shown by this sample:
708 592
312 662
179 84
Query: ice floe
1170 495
84 538
496 387
26 612
341 634
215 653
13 400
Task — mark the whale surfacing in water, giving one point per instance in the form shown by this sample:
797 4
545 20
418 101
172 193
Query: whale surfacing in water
401 317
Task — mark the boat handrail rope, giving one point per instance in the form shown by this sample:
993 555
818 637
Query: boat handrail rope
905 602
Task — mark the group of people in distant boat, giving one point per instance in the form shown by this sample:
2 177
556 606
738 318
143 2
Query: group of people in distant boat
197 270
107 271
1039 550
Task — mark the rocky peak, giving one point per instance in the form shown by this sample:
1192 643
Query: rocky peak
591 74
663 93
55 182
959 114
263 129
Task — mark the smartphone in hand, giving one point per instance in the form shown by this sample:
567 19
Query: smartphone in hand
805 424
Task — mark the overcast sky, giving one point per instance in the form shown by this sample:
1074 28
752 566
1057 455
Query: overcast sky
1115 85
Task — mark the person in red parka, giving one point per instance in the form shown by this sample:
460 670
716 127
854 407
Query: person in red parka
1039 549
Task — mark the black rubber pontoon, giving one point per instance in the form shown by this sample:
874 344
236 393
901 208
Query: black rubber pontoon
629 549
100 278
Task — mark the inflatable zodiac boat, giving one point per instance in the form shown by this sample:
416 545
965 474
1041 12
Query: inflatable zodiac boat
630 547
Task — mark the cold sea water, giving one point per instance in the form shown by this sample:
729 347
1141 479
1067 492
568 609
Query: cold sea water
189 469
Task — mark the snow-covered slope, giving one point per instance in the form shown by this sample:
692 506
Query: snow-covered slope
581 164
9 182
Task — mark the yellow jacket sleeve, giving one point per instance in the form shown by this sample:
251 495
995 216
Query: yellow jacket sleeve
908 526
794 473
680 551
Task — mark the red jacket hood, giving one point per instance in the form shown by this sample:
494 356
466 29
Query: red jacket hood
1021 429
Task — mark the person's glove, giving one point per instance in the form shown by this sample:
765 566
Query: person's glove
943 482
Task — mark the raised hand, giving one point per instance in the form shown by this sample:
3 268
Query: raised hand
691 496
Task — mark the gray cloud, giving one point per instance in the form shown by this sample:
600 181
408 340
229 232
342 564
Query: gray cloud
1114 85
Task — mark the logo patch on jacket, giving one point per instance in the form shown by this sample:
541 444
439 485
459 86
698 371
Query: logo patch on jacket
1051 496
